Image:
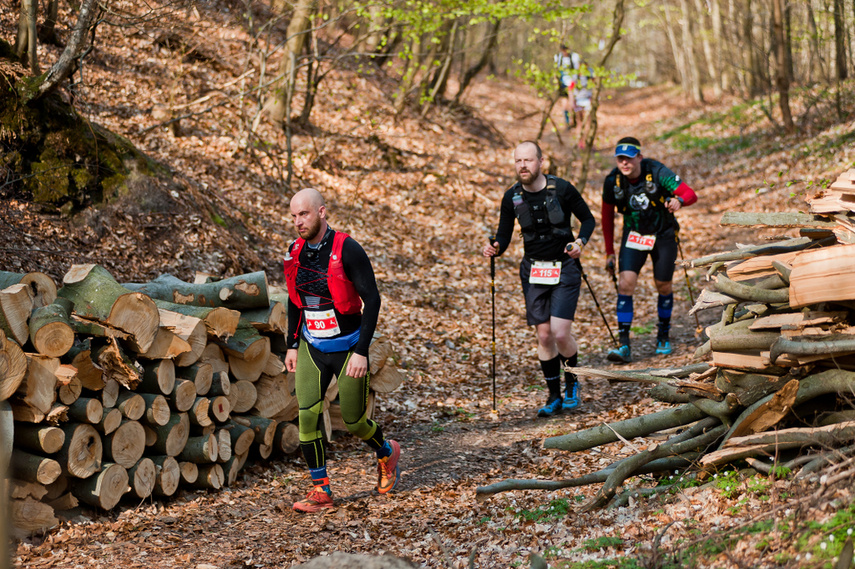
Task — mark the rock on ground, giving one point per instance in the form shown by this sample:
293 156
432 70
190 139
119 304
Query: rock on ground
340 560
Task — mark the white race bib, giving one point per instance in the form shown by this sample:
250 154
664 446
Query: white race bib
545 272
322 323
640 242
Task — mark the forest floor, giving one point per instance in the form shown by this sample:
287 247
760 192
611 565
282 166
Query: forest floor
422 196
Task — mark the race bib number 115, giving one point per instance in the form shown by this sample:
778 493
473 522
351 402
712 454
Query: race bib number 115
545 272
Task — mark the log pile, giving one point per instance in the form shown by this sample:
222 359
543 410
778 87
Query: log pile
111 390
776 385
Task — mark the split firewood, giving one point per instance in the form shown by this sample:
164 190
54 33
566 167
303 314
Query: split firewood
242 437
69 385
13 367
142 478
29 516
50 330
91 375
105 489
97 295
125 445
168 476
188 328
166 345
200 373
20 489
111 419
171 437
240 292
211 476
273 318
200 449
81 452
34 468
711 299
823 275
36 394
769 413
42 288
189 472
16 304
157 410
245 396
158 377
379 352
213 355
274 365
117 365
219 322
131 405
38 438
224 445
387 380
287 438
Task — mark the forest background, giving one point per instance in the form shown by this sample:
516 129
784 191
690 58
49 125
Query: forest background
168 136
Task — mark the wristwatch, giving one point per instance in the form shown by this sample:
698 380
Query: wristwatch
582 240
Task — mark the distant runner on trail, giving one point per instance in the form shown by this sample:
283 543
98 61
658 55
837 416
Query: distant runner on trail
550 271
647 194
333 306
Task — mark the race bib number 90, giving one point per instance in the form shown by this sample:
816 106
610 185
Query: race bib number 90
545 272
640 242
322 324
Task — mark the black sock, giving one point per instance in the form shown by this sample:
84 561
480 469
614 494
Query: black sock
664 329
623 332
552 375
569 377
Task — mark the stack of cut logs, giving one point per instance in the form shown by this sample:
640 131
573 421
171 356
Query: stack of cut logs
110 390
780 386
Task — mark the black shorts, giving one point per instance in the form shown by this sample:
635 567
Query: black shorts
544 301
663 255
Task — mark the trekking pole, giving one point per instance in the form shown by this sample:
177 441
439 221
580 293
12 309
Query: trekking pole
688 283
493 301
594 296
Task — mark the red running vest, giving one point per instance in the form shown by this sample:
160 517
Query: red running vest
344 296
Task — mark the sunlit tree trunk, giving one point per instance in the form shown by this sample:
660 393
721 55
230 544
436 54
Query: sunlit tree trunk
679 56
782 72
816 51
296 38
750 64
840 41
721 75
689 47
26 42
709 53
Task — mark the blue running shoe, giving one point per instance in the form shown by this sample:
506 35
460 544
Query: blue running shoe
663 347
621 355
571 398
552 407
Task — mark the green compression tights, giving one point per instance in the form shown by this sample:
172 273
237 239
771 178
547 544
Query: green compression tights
315 371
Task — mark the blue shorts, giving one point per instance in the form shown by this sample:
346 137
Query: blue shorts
544 301
663 255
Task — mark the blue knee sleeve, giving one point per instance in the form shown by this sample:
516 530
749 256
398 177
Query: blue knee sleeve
624 308
665 305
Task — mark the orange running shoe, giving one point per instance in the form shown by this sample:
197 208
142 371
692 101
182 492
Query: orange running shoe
388 470
316 501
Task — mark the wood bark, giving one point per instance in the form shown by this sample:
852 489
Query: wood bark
200 373
16 304
116 365
264 428
242 437
132 405
782 71
13 367
157 410
220 384
81 451
199 414
41 286
247 353
200 449
51 333
105 489
628 429
273 318
237 293
97 295
111 419
287 438
211 476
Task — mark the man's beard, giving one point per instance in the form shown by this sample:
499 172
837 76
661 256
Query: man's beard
312 231
527 177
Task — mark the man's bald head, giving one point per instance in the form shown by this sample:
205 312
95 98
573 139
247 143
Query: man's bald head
309 197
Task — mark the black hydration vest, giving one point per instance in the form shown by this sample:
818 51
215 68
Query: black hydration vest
643 204
551 223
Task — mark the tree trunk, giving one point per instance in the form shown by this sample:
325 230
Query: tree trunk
27 38
813 40
492 37
691 59
296 34
81 452
722 74
676 51
16 305
50 330
42 287
236 293
840 42
105 489
710 55
782 72
96 295
750 65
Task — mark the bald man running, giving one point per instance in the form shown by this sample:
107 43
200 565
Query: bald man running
333 306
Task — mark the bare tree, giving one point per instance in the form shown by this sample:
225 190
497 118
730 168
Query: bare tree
782 72
26 42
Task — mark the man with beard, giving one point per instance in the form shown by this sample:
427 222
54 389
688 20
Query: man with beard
647 194
333 306
550 271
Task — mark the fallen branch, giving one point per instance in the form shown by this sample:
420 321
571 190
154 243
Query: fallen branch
834 344
795 244
752 293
